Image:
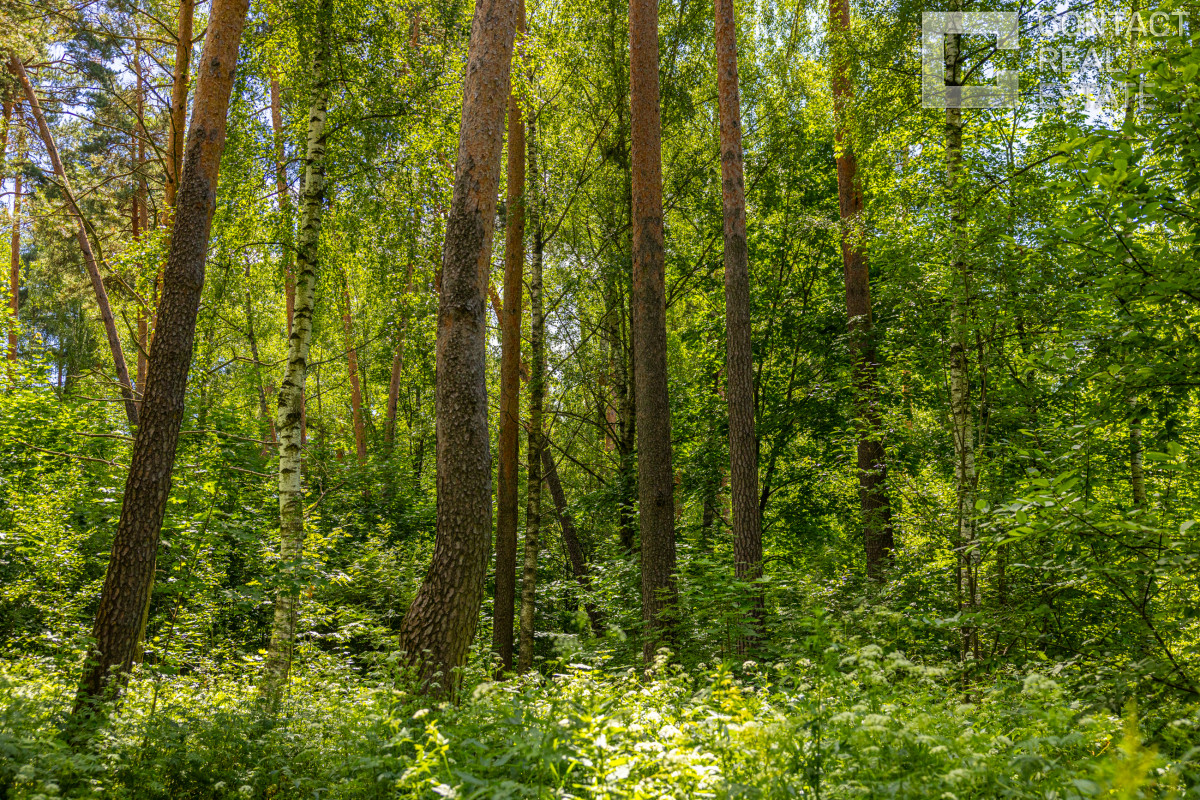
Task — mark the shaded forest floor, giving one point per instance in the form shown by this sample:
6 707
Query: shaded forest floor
846 722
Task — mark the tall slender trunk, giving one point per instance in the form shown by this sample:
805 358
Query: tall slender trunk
289 415
284 199
537 395
14 269
962 422
739 357
139 221
263 412
566 522
655 501
85 245
510 382
440 623
177 118
356 398
874 504
130 575
398 365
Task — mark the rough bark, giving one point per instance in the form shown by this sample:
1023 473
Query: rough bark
655 480
138 217
510 383
739 358
566 522
289 414
537 395
874 504
85 244
440 624
130 575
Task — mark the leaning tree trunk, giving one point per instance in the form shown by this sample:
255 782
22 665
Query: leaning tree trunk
85 244
739 359
440 624
570 536
875 507
510 383
962 423
289 417
537 395
177 118
130 576
655 478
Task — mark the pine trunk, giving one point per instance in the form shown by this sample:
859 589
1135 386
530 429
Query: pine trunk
874 504
130 575
537 393
85 245
655 477
739 357
510 383
440 624
289 415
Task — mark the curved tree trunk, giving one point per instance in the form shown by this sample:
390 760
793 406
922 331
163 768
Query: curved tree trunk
537 395
440 624
89 256
289 415
739 358
655 479
510 383
130 575
875 507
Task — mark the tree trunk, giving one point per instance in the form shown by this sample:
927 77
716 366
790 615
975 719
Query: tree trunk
962 423
356 402
89 257
655 501
1137 469
440 624
284 199
510 383
537 394
289 415
139 222
130 575
177 119
263 412
875 507
14 269
571 539
739 358
398 365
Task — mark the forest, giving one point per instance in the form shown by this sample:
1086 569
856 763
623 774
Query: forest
638 399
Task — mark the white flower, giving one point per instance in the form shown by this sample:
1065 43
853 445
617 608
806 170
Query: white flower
420 712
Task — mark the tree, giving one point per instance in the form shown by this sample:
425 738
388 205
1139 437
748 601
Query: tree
12 118
440 623
130 574
537 396
510 382
655 475
739 359
289 417
874 505
85 245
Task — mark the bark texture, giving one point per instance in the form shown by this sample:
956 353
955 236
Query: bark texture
874 504
739 358
130 575
85 244
655 477
441 621
510 384
14 269
289 413
537 396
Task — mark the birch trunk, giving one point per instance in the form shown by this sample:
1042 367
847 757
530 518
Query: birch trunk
289 417
130 576
14 269
510 382
537 393
85 245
